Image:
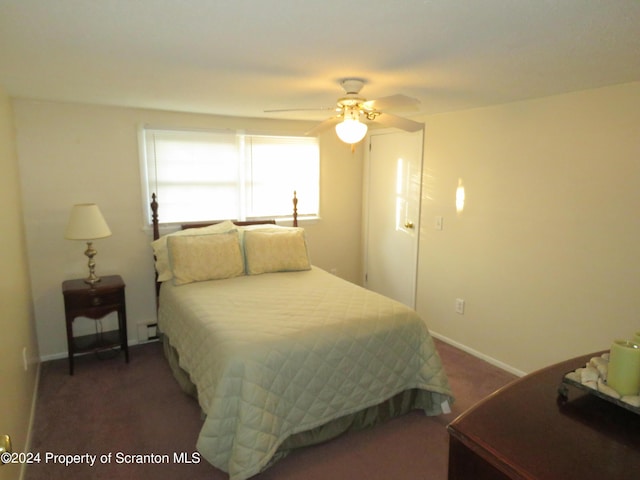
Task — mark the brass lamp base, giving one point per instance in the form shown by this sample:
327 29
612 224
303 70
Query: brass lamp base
91 252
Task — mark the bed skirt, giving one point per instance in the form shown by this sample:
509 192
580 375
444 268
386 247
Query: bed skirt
396 406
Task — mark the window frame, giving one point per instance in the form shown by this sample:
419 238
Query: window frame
148 190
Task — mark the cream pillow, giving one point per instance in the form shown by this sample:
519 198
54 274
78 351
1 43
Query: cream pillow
162 254
258 226
196 258
275 250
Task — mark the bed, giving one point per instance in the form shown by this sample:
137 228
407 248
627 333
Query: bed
279 353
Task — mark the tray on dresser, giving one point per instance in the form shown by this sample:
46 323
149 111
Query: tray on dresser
563 394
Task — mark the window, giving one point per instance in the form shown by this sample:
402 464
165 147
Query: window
201 176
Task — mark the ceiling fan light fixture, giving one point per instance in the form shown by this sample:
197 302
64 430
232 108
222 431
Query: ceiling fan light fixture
351 130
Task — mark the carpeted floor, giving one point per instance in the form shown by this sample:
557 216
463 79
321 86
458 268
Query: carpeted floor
113 410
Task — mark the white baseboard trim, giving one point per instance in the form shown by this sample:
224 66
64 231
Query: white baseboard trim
480 355
53 356
464 348
32 416
58 356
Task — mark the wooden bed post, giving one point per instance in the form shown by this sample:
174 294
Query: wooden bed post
295 209
154 216
156 235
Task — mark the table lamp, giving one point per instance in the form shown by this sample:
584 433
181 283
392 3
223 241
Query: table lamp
87 223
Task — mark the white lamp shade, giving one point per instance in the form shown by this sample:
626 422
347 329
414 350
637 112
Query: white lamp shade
86 223
351 130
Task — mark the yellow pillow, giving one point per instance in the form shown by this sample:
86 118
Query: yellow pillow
162 254
196 258
276 250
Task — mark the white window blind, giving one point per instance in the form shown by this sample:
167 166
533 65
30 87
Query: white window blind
201 176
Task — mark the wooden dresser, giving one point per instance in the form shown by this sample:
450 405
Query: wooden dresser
522 431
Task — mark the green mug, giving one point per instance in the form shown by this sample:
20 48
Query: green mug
624 368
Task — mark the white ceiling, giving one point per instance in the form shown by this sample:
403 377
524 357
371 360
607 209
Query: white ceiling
241 57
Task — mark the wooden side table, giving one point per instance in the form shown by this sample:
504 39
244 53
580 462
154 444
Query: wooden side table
83 300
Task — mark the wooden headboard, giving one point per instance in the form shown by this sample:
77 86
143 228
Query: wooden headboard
184 226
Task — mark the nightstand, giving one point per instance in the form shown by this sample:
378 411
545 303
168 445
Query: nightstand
95 302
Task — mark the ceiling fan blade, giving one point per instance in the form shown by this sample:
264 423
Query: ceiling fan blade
324 125
390 120
318 109
393 102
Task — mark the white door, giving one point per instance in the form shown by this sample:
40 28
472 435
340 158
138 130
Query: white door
394 182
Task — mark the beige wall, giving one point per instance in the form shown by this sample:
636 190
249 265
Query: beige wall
17 330
544 254
546 251
72 153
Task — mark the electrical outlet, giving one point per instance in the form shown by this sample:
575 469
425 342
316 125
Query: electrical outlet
460 306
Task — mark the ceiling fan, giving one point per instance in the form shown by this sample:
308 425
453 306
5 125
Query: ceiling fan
352 109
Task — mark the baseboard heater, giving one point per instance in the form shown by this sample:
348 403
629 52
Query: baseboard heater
147 332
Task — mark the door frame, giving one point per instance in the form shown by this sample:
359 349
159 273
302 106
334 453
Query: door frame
365 202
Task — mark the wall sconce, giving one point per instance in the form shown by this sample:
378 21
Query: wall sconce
351 129
87 223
